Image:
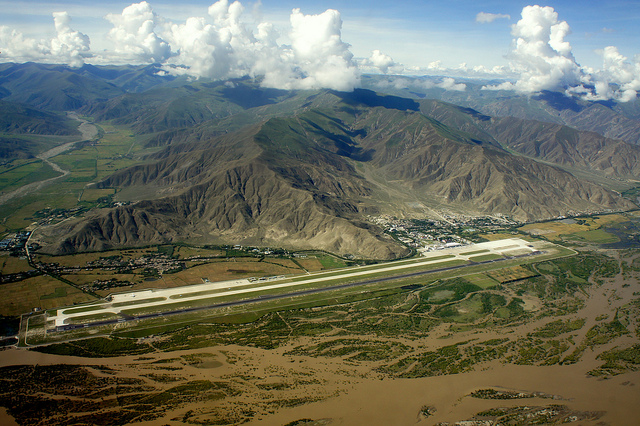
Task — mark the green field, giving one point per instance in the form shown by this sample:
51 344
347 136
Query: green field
485 257
482 280
115 150
25 174
597 236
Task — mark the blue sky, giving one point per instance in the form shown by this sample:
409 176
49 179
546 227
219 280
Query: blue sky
414 33
587 49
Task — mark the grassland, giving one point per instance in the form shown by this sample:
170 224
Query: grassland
580 230
29 172
38 292
92 195
189 252
482 280
13 264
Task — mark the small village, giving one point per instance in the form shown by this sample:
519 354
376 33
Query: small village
450 231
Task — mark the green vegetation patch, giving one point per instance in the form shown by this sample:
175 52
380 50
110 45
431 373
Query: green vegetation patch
470 253
92 318
527 415
486 257
597 236
448 291
331 262
452 359
97 347
25 174
353 349
83 309
603 333
138 302
472 308
59 292
558 327
482 280
618 361
506 394
534 351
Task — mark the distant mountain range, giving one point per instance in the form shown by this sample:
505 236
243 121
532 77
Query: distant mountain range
608 118
248 165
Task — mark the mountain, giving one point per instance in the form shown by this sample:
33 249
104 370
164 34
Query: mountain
130 78
61 88
166 108
554 143
306 180
230 190
52 87
608 118
18 125
235 162
17 118
14 148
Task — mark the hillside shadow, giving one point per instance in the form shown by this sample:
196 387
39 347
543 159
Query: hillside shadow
475 114
372 99
251 97
343 144
559 101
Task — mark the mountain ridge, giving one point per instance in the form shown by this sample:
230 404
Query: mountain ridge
293 181
231 161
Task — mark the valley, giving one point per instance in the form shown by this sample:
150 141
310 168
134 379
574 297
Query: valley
181 251
439 346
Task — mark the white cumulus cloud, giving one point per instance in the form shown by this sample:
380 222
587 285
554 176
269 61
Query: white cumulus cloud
223 46
319 56
542 59
67 47
202 50
134 34
380 62
540 55
449 83
399 83
619 78
16 47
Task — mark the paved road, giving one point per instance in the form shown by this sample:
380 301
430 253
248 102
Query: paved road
280 296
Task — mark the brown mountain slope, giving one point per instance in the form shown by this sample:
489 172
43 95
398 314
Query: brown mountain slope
204 196
305 181
554 143
566 146
480 177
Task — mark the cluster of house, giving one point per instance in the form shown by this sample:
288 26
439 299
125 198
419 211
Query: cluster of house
15 241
